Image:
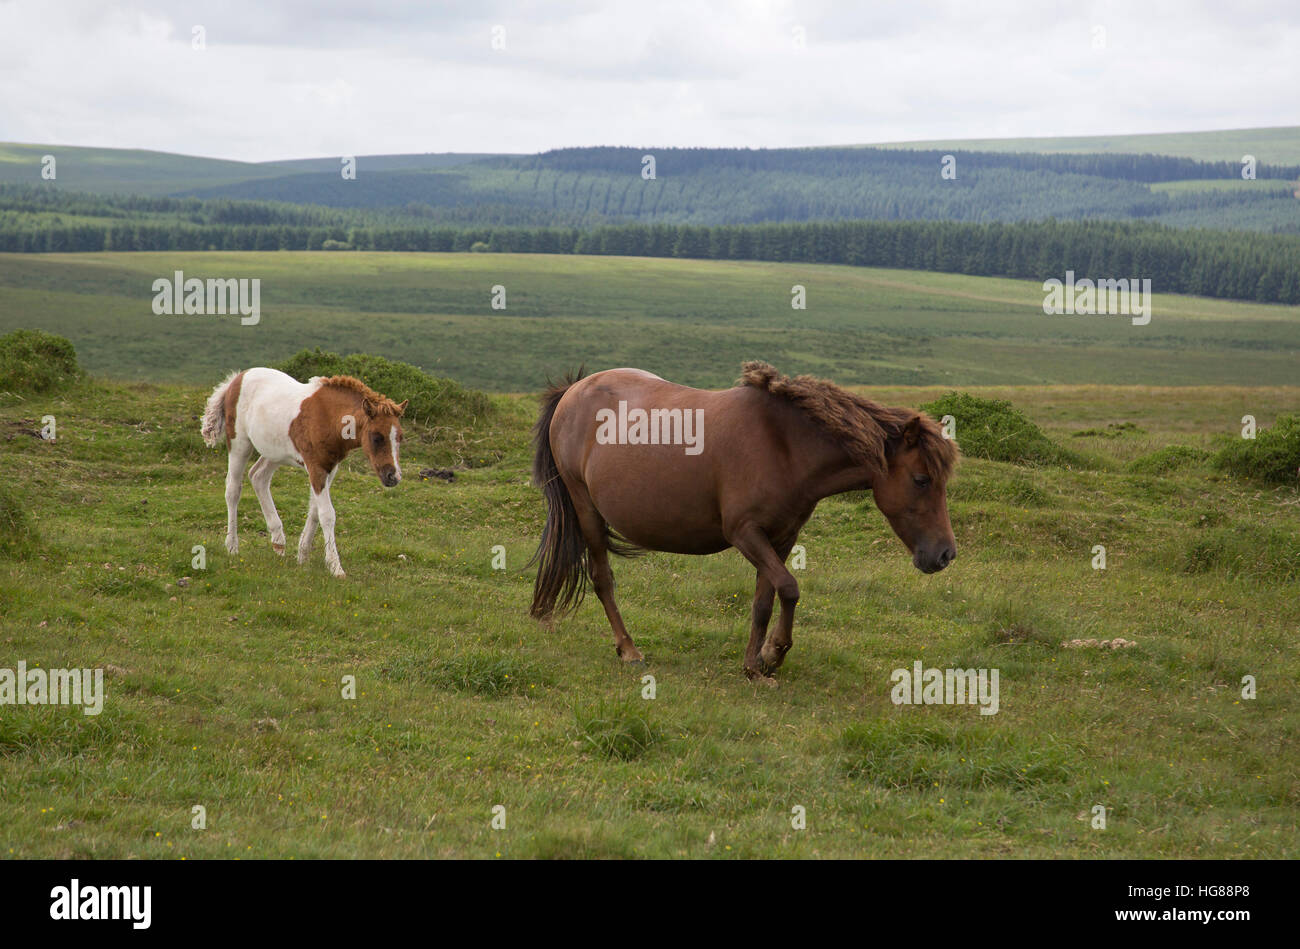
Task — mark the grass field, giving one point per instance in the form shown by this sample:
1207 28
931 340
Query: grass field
693 320
226 692
224 684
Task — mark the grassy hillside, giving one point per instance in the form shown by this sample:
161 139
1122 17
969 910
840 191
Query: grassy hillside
114 170
691 320
1280 145
224 684
585 187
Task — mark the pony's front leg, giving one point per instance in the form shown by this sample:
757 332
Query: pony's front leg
758 550
325 512
308 531
240 449
760 616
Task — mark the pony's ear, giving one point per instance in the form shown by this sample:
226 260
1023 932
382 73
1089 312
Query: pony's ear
912 432
401 409
369 406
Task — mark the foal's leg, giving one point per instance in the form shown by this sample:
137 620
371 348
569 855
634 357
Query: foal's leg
308 531
758 550
240 449
260 474
325 512
602 577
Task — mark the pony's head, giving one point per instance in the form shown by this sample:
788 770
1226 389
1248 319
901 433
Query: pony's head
381 437
912 492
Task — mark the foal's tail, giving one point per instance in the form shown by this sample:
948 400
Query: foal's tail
561 556
214 415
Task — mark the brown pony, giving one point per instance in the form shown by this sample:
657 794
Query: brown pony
624 463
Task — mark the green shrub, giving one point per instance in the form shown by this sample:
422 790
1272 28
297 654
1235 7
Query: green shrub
434 401
991 428
32 361
1273 455
1167 459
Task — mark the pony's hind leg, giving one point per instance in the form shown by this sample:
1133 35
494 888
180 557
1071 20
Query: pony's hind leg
595 533
240 449
260 475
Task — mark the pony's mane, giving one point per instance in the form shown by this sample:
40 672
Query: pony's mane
864 428
382 402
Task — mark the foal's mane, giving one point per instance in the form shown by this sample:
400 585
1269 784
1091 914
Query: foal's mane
867 430
382 402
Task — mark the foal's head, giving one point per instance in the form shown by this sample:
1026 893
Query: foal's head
912 493
381 437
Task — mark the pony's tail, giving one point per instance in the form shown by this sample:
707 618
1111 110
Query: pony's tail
214 415
561 556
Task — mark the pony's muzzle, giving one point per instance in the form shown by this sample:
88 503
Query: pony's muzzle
932 561
389 477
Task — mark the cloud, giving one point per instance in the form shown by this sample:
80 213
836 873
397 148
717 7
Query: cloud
295 78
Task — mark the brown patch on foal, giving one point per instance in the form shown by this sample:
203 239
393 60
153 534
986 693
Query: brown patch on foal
231 402
317 431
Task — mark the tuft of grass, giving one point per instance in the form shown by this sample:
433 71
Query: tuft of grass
993 429
1272 456
1007 486
1248 551
913 754
18 536
32 361
1170 458
614 730
482 673
1113 430
434 401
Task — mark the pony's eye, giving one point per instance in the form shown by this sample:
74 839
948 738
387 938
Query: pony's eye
921 481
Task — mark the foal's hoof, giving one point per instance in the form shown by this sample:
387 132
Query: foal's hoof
761 678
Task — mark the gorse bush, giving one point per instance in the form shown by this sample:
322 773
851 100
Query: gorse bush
434 401
1273 455
991 428
32 361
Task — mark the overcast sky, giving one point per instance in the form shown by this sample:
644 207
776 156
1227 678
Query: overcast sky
297 79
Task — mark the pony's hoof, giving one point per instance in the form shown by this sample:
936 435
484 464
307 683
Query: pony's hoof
278 548
761 678
339 574
232 546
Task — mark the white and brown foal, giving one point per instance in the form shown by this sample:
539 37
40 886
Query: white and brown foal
311 425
